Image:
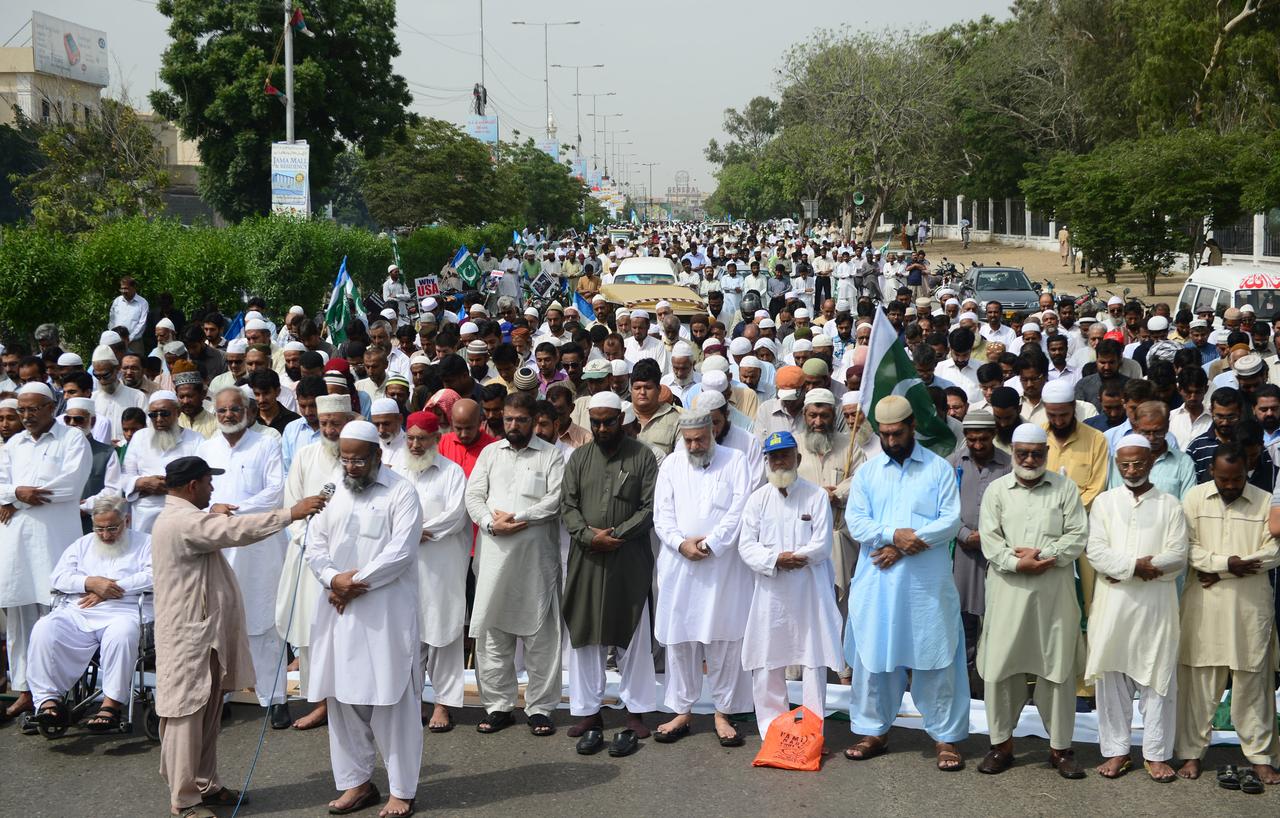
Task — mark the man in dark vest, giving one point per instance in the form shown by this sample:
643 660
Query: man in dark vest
104 474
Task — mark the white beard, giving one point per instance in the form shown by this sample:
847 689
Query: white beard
701 461
163 440
1029 475
782 479
111 550
1135 482
330 447
234 428
416 464
820 443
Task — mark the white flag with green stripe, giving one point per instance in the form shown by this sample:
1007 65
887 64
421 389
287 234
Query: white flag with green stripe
889 371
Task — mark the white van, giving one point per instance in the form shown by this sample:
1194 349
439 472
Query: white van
1233 285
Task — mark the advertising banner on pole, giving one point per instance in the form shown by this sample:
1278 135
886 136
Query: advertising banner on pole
550 147
69 50
291 178
483 128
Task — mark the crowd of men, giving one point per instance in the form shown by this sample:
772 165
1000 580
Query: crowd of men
714 503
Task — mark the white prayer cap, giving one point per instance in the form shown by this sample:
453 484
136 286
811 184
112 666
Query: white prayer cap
324 356
715 381
620 367
599 299
739 346
767 343
802 313
909 311
951 301
767 323
1250 364
654 331
681 349
1219 336
388 314
110 338
821 396
9 403
628 413
419 358
257 325
760 314
842 305
333 404
426 317
1199 323
1030 327
298 310
103 354
974 301
83 404
246 391
162 395
70 359
477 308
428 304
694 420
36 388
1157 323
790 294
706 401
175 348
1247 308
1115 301
1086 319
294 346
360 430
469 328
750 362
938 312
639 314
663 304
1059 391
714 363
605 400
803 345
237 346
1133 440
853 398
253 315
1031 433
1050 311
821 341
711 343
478 347
384 406
392 268
165 323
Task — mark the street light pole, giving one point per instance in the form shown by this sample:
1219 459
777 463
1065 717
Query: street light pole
595 155
546 62
288 71
605 119
649 191
577 105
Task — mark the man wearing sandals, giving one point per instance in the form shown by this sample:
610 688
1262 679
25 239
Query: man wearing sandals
102 575
1228 621
364 636
1138 547
904 507
1032 527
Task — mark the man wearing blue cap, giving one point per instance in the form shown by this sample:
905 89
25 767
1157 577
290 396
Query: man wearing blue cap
793 620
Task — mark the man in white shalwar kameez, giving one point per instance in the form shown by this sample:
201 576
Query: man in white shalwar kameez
43 470
150 450
1138 546
253 481
786 541
102 576
704 588
110 396
513 496
364 639
385 415
444 558
314 466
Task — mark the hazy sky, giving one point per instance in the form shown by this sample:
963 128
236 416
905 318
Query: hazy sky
674 65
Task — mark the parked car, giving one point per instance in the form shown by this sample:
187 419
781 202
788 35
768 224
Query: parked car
646 270
1008 285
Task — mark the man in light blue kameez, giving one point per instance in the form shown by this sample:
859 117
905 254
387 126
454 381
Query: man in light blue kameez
904 611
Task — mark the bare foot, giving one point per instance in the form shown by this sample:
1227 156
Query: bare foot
1267 774
318 716
395 806
676 723
1190 770
1160 771
351 796
440 718
724 727
1114 767
20 705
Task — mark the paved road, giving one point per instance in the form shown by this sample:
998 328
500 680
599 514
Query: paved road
465 773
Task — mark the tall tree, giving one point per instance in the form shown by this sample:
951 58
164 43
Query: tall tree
750 129
344 89
19 156
543 190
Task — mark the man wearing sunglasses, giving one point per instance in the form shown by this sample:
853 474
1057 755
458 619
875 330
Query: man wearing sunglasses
153 448
110 396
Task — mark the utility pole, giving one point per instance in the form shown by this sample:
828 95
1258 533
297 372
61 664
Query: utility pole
577 105
595 154
546 64
649 190
605 119
288 71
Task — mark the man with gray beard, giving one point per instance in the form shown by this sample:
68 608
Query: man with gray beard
314 466
825 461
444 556
100 577
104 467
153 448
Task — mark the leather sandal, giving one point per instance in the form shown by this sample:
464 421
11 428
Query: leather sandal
868 747
370 798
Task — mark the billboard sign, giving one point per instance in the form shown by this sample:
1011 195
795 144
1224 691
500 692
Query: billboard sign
291 178
483 128
68 50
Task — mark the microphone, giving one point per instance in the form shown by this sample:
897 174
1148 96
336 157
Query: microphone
326 492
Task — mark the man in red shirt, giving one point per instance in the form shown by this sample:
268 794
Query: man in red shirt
468 438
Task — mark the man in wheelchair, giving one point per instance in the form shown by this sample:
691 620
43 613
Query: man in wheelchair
99 579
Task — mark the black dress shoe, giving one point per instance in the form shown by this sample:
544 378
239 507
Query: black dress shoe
280 718
624 743
591 742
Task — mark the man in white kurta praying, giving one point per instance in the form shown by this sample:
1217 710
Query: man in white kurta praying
150 450
110 396
704 588
1138 546
444 558
43 470
786 541
253 481
364 641
314 466
102 576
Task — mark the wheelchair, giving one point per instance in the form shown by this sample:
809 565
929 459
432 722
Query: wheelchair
82 699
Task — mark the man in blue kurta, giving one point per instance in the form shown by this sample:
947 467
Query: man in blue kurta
904 611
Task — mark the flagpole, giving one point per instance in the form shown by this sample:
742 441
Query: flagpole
288 71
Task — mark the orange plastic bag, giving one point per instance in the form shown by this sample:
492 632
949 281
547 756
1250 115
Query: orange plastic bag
793 742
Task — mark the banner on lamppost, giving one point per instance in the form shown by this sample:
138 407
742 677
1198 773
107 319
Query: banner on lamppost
291 178
550 147
483 128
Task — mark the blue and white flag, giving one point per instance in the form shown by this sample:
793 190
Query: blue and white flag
236 328
584 307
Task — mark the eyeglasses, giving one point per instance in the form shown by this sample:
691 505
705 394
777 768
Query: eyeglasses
108 529
159 413
356 462
102 376
29 410
75 421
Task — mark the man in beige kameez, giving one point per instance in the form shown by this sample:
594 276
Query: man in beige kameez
1228 622
202 649
826 460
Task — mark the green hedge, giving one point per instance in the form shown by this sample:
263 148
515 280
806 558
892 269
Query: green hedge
71 280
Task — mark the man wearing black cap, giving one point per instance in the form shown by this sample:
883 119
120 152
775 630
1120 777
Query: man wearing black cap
202 650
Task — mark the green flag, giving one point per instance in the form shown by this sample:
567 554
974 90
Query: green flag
889 371
469 271
344 304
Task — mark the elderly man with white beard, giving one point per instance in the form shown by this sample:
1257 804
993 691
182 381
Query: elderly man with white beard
153 448
365 645
727 434
43 470
110 396
253 481
704 588
385 415
314 466
786 541
444 557
827 461
101 575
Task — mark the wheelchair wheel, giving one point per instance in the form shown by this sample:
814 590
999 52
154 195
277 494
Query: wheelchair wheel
52 731
151 721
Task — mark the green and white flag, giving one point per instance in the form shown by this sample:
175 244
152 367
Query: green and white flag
466 266
342 301
889 371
